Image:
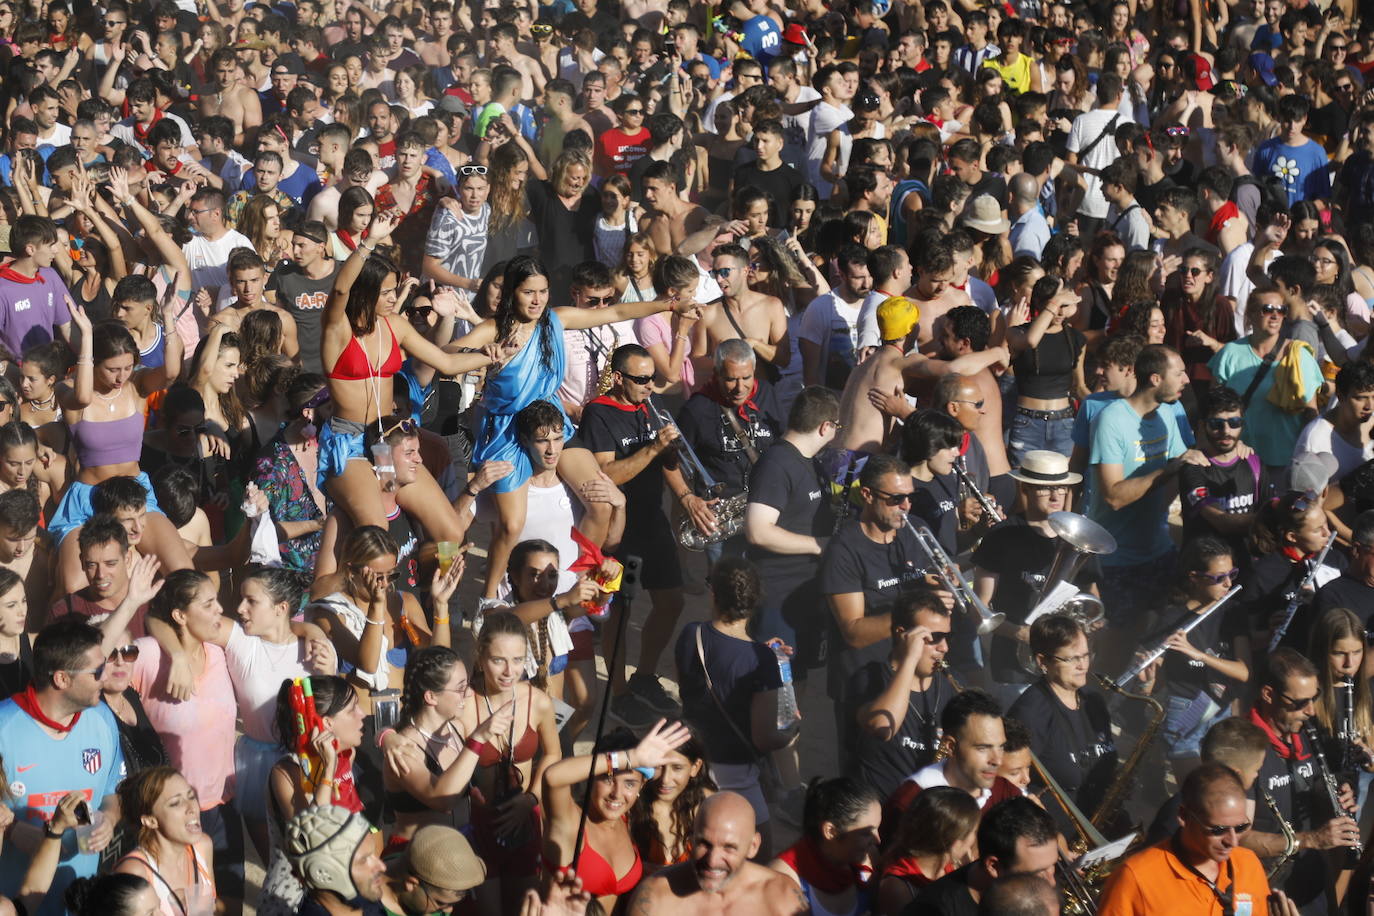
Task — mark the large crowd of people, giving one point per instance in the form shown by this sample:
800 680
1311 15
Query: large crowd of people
919 457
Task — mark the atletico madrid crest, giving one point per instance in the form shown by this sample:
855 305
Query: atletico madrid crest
90 759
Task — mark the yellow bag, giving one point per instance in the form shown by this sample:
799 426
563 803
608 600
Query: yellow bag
1287 393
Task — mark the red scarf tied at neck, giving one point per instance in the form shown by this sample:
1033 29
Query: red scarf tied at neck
714 392
609 401
818 871
7 272
28 701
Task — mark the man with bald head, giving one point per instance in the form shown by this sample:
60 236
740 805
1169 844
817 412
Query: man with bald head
719 878
1030 231
1202 865
1020 895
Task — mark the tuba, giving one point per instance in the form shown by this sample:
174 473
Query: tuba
729 510
1080 537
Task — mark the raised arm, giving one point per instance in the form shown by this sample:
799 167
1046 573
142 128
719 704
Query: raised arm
575 319
76 397
382 225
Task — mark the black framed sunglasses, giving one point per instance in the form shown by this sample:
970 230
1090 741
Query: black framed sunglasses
637 379
1295 703
1220 830
1221 423
600 300
892 499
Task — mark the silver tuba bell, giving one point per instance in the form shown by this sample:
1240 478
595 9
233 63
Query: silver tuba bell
1080 537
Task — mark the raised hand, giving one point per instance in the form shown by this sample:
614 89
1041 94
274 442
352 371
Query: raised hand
497 724
444 584
79 317
143 582
384 222
652 750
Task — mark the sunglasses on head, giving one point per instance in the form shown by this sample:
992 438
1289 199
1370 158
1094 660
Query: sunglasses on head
1221 423
1177 131
406 426
466 170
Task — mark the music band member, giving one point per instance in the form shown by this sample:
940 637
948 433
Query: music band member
972 740
1284 542
1345 711
863 569
1201 865
729 423
1203 667
1013 559
931 443
1015 837
1070 727
633 449
1354 588
903 696
786 521
1287 694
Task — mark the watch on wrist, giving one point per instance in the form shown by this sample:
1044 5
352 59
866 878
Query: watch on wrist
48 832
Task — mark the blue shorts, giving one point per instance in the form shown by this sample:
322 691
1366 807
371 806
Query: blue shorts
76 509
340 442
558 664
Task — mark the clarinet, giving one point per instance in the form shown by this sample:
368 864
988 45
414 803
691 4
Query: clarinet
1354 853
1354 758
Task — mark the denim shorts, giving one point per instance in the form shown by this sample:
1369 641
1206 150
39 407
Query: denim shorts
1031 432
1184 739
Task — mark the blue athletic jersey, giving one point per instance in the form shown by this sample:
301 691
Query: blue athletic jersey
762 40
40 771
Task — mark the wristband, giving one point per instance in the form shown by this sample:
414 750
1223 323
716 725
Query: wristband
553 603
47 832
368 621
439 620
477 747
467 491
382 736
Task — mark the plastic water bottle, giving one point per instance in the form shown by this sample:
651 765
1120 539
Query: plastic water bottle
788 713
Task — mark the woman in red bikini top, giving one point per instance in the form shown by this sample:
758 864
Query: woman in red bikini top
609 865
662 820
507 782
361 346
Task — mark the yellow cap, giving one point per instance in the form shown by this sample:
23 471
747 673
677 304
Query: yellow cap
897 315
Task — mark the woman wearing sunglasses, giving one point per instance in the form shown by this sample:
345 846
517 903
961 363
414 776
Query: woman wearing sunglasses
1284 540
1200 321
1204 668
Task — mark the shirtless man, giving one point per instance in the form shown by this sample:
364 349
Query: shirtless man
934 291
503 49
232 98
719 879
356 172
967 330
560 98
247 278
863 426
760 319
434 50
23 552
670 218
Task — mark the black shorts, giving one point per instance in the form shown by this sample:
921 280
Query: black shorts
650 537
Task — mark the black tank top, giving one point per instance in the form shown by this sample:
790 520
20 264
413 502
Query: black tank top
1046 371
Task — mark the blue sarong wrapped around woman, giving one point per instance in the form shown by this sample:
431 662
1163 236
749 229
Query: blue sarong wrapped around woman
521 382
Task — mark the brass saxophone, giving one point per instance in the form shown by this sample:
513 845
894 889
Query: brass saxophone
1121 783
1279 867
600 351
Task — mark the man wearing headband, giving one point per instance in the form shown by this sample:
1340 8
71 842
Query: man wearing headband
301 286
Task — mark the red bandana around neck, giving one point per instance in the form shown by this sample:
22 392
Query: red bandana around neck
609 401
1296 555
1281 747
714 392
141 132
806 860
28 701
152 166
7 272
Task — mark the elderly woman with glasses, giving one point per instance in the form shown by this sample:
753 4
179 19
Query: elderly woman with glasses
1208 652
1069 724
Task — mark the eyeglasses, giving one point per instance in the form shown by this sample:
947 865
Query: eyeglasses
600 300
406 426
1219 830
721 273
1052 489
1274 309
1083 659
892 499
195 212
123 653
976 405
391 576
637 379
97 672
1218 578
461 689
1296 703
1217 424
1325 261
466 170
1194 271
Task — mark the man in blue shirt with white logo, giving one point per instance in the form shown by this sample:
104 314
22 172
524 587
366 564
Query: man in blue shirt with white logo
56 737
1299 161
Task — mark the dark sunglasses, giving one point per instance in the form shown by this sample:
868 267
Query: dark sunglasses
934 639
6 405
113 22
127 653
1176 131
1295 703
637 379
541 29
466 170
1305 500
1220 423
1274 309
633 111
1228 576
892 499
600 300
391 577
722 273
1194 271
1220 830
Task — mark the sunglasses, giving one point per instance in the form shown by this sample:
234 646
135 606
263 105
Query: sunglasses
466 170
1220 830
1053 489
111 23
1296 703
391 577
1274 309
1194 271
892 499
406 426
127 653
1221 423
97 672
1177 131
600 300
633 111
934 639
976 405
721 273
541 30
1217 579
637 379
1304 501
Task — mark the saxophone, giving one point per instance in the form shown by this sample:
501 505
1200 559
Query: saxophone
1278 869
1116 792
600 351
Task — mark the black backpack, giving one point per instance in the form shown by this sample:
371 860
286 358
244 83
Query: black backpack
1272 192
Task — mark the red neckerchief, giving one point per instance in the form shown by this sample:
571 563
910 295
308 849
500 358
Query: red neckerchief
347 239
906 867
152 166
627 408
806 860
1294 554
7 272
712 391
931 119
1279 746
141 133
345 789
28 701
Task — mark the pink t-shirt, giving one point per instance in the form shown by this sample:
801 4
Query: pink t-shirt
655 330
198 733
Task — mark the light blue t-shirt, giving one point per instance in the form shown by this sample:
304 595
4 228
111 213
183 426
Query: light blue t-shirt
1140 445
40 771
1091 408
1305 170
1271 432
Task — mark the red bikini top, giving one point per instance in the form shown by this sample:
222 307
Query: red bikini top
353 366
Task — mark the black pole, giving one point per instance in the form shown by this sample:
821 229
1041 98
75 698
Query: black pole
629 587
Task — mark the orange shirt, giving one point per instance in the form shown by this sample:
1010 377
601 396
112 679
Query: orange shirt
1154 883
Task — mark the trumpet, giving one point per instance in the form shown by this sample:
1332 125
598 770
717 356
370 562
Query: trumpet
954 582
967 482
729 510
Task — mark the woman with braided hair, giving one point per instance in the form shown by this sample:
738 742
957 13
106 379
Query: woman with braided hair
436 693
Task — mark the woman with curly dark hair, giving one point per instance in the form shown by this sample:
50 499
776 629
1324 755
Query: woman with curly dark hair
729 686
662 820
